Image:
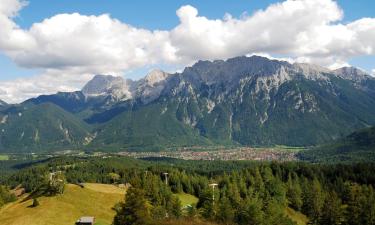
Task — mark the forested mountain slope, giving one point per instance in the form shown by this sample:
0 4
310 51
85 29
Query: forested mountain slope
241 101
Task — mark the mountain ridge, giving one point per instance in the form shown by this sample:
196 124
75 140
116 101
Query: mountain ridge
358 146
240 101
41 127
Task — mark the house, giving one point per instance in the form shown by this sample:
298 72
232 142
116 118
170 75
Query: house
86 220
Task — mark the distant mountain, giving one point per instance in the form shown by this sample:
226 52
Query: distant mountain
253 101
39 128
240 101
118 89
358 146
3 104
102 85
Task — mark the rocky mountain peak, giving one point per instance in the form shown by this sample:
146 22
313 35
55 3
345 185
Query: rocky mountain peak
102 85
120 89
306 67
233 69
155 76
350 73
2 103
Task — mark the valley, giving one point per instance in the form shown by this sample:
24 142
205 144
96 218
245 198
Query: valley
239 153
187 112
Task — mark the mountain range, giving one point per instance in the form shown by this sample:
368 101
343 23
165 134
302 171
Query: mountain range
252 101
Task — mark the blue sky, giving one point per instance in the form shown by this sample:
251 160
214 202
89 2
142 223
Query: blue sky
161 15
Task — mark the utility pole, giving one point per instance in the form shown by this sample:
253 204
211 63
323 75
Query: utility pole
166 183
213 185
166 178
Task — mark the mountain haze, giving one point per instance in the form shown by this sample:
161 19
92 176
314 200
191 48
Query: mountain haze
240 101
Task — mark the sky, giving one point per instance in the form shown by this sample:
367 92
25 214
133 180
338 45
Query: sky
59 46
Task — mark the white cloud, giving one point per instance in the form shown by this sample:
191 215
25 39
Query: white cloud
304 30
50 82
263 54
71 47
93 43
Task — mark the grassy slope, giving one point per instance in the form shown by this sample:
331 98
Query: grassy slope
187 199
297 217
94 200
4 157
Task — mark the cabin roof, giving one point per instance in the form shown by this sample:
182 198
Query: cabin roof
86 219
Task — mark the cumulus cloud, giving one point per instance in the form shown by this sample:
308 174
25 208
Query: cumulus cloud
69 48
18 90
305 30
93 43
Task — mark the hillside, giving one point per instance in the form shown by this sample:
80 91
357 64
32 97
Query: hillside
271 193
249 101
358 146
95 200
146 128
39 128
245 100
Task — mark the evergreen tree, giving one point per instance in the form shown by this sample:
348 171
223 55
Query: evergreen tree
175 208
333 211
355 205
135 210
294 193
225 212
313 201
250 212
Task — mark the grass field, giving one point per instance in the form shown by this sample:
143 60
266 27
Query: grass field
94 200
4 157
187 199
297 217
289 148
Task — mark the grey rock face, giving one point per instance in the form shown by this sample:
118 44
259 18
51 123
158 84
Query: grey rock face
102 85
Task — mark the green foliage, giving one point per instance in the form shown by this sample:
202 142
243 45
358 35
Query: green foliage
55 184
251 193
356 147
147 128
236 102
44 127
135 210
333 210
6 196
294 193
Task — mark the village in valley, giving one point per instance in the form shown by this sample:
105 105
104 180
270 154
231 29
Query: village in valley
279 153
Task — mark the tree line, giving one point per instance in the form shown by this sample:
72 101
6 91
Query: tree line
246 192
